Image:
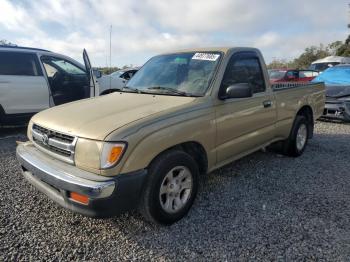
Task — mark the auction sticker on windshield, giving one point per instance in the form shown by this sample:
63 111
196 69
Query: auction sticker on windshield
206 56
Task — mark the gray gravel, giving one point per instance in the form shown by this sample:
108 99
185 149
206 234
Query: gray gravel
262 207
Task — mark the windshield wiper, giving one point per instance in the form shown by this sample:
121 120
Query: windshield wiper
132 90
171 90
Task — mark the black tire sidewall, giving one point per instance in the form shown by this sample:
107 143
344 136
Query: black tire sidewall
158 171
294 151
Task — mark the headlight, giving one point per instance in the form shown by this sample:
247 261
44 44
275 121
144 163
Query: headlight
111 154
97 154
29 131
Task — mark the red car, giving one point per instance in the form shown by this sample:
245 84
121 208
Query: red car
292 75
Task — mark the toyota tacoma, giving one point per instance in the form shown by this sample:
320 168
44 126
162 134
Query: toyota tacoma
184 114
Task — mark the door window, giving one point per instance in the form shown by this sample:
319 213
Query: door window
125 75
50 70
19 63
244 69
68 82
292 75
305 73
62 65
128 74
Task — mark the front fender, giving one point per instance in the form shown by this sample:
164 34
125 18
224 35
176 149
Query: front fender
197 127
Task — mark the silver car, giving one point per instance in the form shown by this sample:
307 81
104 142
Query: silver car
33 79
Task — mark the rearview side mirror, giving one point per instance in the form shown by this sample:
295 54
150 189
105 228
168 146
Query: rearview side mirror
240 90
97 73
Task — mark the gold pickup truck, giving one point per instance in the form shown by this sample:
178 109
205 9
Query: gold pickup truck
182 115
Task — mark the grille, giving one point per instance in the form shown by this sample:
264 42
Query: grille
59 145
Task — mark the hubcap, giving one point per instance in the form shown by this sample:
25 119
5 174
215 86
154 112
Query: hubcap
176 189
301 137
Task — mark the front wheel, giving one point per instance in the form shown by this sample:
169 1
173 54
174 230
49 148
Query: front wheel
298 138
170 189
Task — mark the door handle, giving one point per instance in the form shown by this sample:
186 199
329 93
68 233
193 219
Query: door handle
267 103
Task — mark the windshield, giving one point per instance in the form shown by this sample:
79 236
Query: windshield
117 73
178 74
323 66
277 74
339 75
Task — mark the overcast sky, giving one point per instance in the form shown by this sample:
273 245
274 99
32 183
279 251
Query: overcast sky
143 28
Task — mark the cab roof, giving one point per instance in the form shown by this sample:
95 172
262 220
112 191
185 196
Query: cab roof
22 48
224 49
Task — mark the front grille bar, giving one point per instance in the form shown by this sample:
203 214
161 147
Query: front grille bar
56 144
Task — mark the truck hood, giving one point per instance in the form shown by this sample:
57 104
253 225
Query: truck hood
337 91
95 118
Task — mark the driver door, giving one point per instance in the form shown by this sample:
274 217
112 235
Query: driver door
244 124
93 84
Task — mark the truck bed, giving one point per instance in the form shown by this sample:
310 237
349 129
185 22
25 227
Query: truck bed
290 97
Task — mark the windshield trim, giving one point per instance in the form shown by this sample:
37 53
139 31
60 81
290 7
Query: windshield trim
215 73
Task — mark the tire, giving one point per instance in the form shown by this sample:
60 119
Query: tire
346 118
296 143
164 188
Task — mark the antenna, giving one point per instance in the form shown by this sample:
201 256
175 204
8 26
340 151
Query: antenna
110 57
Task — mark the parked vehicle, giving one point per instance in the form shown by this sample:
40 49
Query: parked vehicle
327 62
33 79
115 81
182 115
337 81
292 75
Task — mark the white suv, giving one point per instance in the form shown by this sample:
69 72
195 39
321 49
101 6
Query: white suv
116 81
35 79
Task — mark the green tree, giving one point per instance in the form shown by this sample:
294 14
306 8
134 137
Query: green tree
280 64
333 47
311 54
107 70
344 48
6 43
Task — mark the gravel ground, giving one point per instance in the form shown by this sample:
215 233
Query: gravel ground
262 207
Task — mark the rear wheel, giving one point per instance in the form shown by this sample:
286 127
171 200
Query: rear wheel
346 117
170 189
298 138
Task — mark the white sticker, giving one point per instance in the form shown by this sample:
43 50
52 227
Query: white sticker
206 56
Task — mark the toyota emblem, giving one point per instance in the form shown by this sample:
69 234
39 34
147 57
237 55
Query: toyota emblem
45 139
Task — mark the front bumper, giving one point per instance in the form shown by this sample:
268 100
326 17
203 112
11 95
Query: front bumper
339 110
107 196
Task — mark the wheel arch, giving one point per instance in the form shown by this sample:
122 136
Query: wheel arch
195 149
2 113
144 160
307 112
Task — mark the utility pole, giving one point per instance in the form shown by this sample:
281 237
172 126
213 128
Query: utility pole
349 15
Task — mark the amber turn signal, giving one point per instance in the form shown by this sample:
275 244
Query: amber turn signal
111 154
79 198
115 153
